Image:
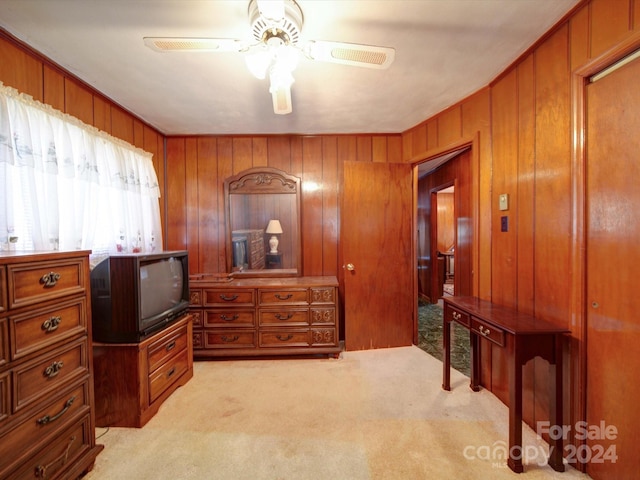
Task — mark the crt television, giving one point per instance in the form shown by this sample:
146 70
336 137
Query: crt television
136 295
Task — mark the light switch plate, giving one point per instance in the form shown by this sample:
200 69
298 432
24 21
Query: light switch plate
503 201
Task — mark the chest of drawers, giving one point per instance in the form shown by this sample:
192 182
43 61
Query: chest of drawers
132 380
46 385
283 316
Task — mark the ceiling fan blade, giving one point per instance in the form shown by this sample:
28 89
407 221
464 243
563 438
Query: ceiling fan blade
186 44
369 56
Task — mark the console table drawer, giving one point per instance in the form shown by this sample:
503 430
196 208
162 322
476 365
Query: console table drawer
453 314
285 338
229 318
496 335
230 339
288 317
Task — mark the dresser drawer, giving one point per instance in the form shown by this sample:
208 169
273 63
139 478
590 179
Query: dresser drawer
323 316
57 454
4 397
453 314
196 316
323 295
324 337
229 339
166 347
195 297
284 296
3 289
487 331
4 342
39 329
168 373
44 422
222 297
229 318
37 282
48 373
284 338
285 317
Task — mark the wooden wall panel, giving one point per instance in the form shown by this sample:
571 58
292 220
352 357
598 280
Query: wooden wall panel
312 224
331 175
78 101
612 22
121 125
20 70
176 206
102 114
53 87
449 126
579 28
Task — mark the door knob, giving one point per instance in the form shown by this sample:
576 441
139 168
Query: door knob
350 267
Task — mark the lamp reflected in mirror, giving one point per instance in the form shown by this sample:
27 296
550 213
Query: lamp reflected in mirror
274 228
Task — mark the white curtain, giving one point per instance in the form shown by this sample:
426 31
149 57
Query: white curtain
65 185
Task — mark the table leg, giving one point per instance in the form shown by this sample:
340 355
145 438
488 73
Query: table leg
475 361
446 354
515 410
556 447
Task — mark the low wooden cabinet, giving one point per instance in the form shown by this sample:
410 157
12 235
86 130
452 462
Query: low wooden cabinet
132 380
265 316
46 385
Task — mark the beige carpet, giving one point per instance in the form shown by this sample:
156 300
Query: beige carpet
377 414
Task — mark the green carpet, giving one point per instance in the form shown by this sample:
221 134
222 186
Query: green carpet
430 337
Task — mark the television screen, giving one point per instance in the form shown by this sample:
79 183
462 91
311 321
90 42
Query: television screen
161 284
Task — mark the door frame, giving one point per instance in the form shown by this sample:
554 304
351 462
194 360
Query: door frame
579 80
473 144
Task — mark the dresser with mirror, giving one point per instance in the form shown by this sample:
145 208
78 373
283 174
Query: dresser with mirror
262 305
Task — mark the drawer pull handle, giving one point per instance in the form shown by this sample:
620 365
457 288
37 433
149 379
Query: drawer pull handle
51 324
226 318
50 279
53 369
283 297
484 331
456 316
229 339
281 316
228 299
170 346
171 372
48 419
282 338
41 470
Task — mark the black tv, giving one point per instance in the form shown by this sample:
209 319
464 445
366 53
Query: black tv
136 295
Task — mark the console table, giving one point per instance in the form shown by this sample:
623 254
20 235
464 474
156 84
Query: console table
524 338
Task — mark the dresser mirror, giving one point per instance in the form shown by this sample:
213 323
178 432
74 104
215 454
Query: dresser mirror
263 223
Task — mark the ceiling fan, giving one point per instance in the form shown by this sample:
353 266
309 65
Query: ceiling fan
275 49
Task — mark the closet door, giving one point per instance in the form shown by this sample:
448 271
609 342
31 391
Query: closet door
612 267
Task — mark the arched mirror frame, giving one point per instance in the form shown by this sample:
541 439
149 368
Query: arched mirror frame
245 196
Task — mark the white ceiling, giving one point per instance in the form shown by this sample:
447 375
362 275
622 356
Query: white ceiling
445 50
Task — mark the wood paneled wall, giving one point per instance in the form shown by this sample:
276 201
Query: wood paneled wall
531 132
33 74
197 167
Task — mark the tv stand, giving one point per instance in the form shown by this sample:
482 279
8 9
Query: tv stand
132 380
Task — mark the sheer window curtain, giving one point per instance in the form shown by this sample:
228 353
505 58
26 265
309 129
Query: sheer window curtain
66 185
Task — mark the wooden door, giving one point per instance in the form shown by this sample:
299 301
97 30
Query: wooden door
379 292
612 261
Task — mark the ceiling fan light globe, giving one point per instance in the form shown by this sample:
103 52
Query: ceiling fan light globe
258 62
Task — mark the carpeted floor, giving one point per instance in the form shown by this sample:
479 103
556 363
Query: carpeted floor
430 337
368 415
